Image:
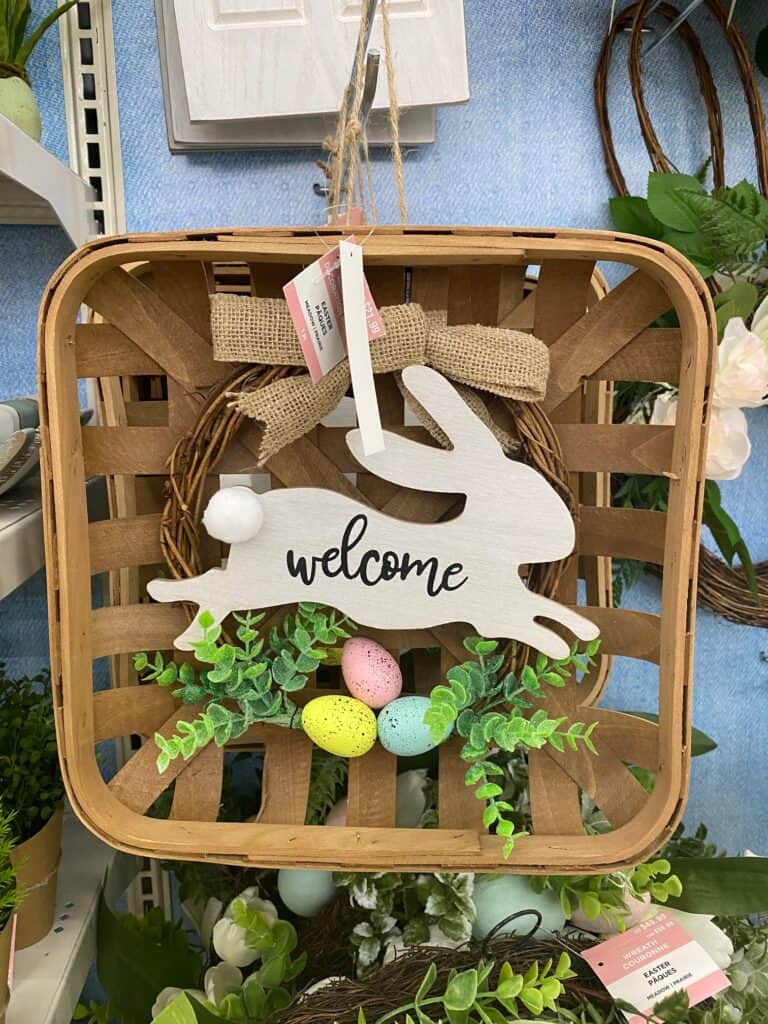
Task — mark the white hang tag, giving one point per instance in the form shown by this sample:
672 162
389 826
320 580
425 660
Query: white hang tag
648 963
358 347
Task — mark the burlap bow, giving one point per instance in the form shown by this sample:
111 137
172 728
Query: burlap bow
493 359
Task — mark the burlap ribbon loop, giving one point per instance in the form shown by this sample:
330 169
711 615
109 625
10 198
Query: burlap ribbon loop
504 362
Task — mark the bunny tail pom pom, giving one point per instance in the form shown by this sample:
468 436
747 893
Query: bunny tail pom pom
234 515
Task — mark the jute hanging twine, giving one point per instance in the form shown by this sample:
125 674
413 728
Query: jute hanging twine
348 146
503 362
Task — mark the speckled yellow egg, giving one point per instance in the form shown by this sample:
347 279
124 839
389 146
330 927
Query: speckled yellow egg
341 725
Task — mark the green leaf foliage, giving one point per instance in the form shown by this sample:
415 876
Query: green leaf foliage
471 997
15 49
496 711
633 215
138 957
30 778
666 202
185 1009
731 886
240 684
10 893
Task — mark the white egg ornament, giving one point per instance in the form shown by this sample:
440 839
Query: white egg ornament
402 730
305 892
341 725
497 897
370 672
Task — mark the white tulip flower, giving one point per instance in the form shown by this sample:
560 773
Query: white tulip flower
220 980
229 938
741 378
167 995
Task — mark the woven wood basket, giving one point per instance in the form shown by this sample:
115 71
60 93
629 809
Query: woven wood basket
148 346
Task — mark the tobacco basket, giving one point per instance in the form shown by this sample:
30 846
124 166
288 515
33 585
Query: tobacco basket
147 344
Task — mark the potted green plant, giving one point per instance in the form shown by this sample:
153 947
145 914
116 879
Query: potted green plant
17 101
31 784
10 897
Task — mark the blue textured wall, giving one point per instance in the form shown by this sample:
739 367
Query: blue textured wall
524 151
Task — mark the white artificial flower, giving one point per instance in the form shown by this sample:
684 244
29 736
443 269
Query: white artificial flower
741 377
220 980
229 938
203 916
760 321
728 447
703 930
167 995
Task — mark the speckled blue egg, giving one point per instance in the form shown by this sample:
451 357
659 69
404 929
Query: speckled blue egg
305 892
496 897
402 730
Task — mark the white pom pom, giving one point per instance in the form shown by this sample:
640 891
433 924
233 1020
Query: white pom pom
234 515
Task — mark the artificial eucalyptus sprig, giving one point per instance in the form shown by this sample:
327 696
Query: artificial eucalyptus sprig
489 711
469 997
246 683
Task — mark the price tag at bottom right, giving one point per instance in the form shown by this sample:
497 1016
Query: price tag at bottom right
653 960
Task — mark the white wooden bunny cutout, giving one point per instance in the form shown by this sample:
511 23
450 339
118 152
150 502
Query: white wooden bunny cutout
309 544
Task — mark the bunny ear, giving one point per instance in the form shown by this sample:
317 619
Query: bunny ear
410 464
448 409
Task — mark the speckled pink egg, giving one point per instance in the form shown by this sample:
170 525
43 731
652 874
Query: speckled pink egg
371 673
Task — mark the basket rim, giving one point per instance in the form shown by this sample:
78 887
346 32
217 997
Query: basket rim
69 599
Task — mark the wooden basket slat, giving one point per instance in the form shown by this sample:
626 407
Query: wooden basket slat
142 316
622 533
430 287
147 414
561 298
587 447
478 278
100 347
653 354
285 780
184 289
387 285
197 792
624 448
137 784
554 797
118 712
635 739
120 543
630 633
372 789
602 332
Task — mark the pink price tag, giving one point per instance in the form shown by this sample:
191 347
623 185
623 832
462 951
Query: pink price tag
316 306
651 961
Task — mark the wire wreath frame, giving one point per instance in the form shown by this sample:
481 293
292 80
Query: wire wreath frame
722 587
197 453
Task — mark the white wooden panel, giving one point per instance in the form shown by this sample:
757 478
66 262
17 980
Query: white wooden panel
310 544
271 58
417 126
